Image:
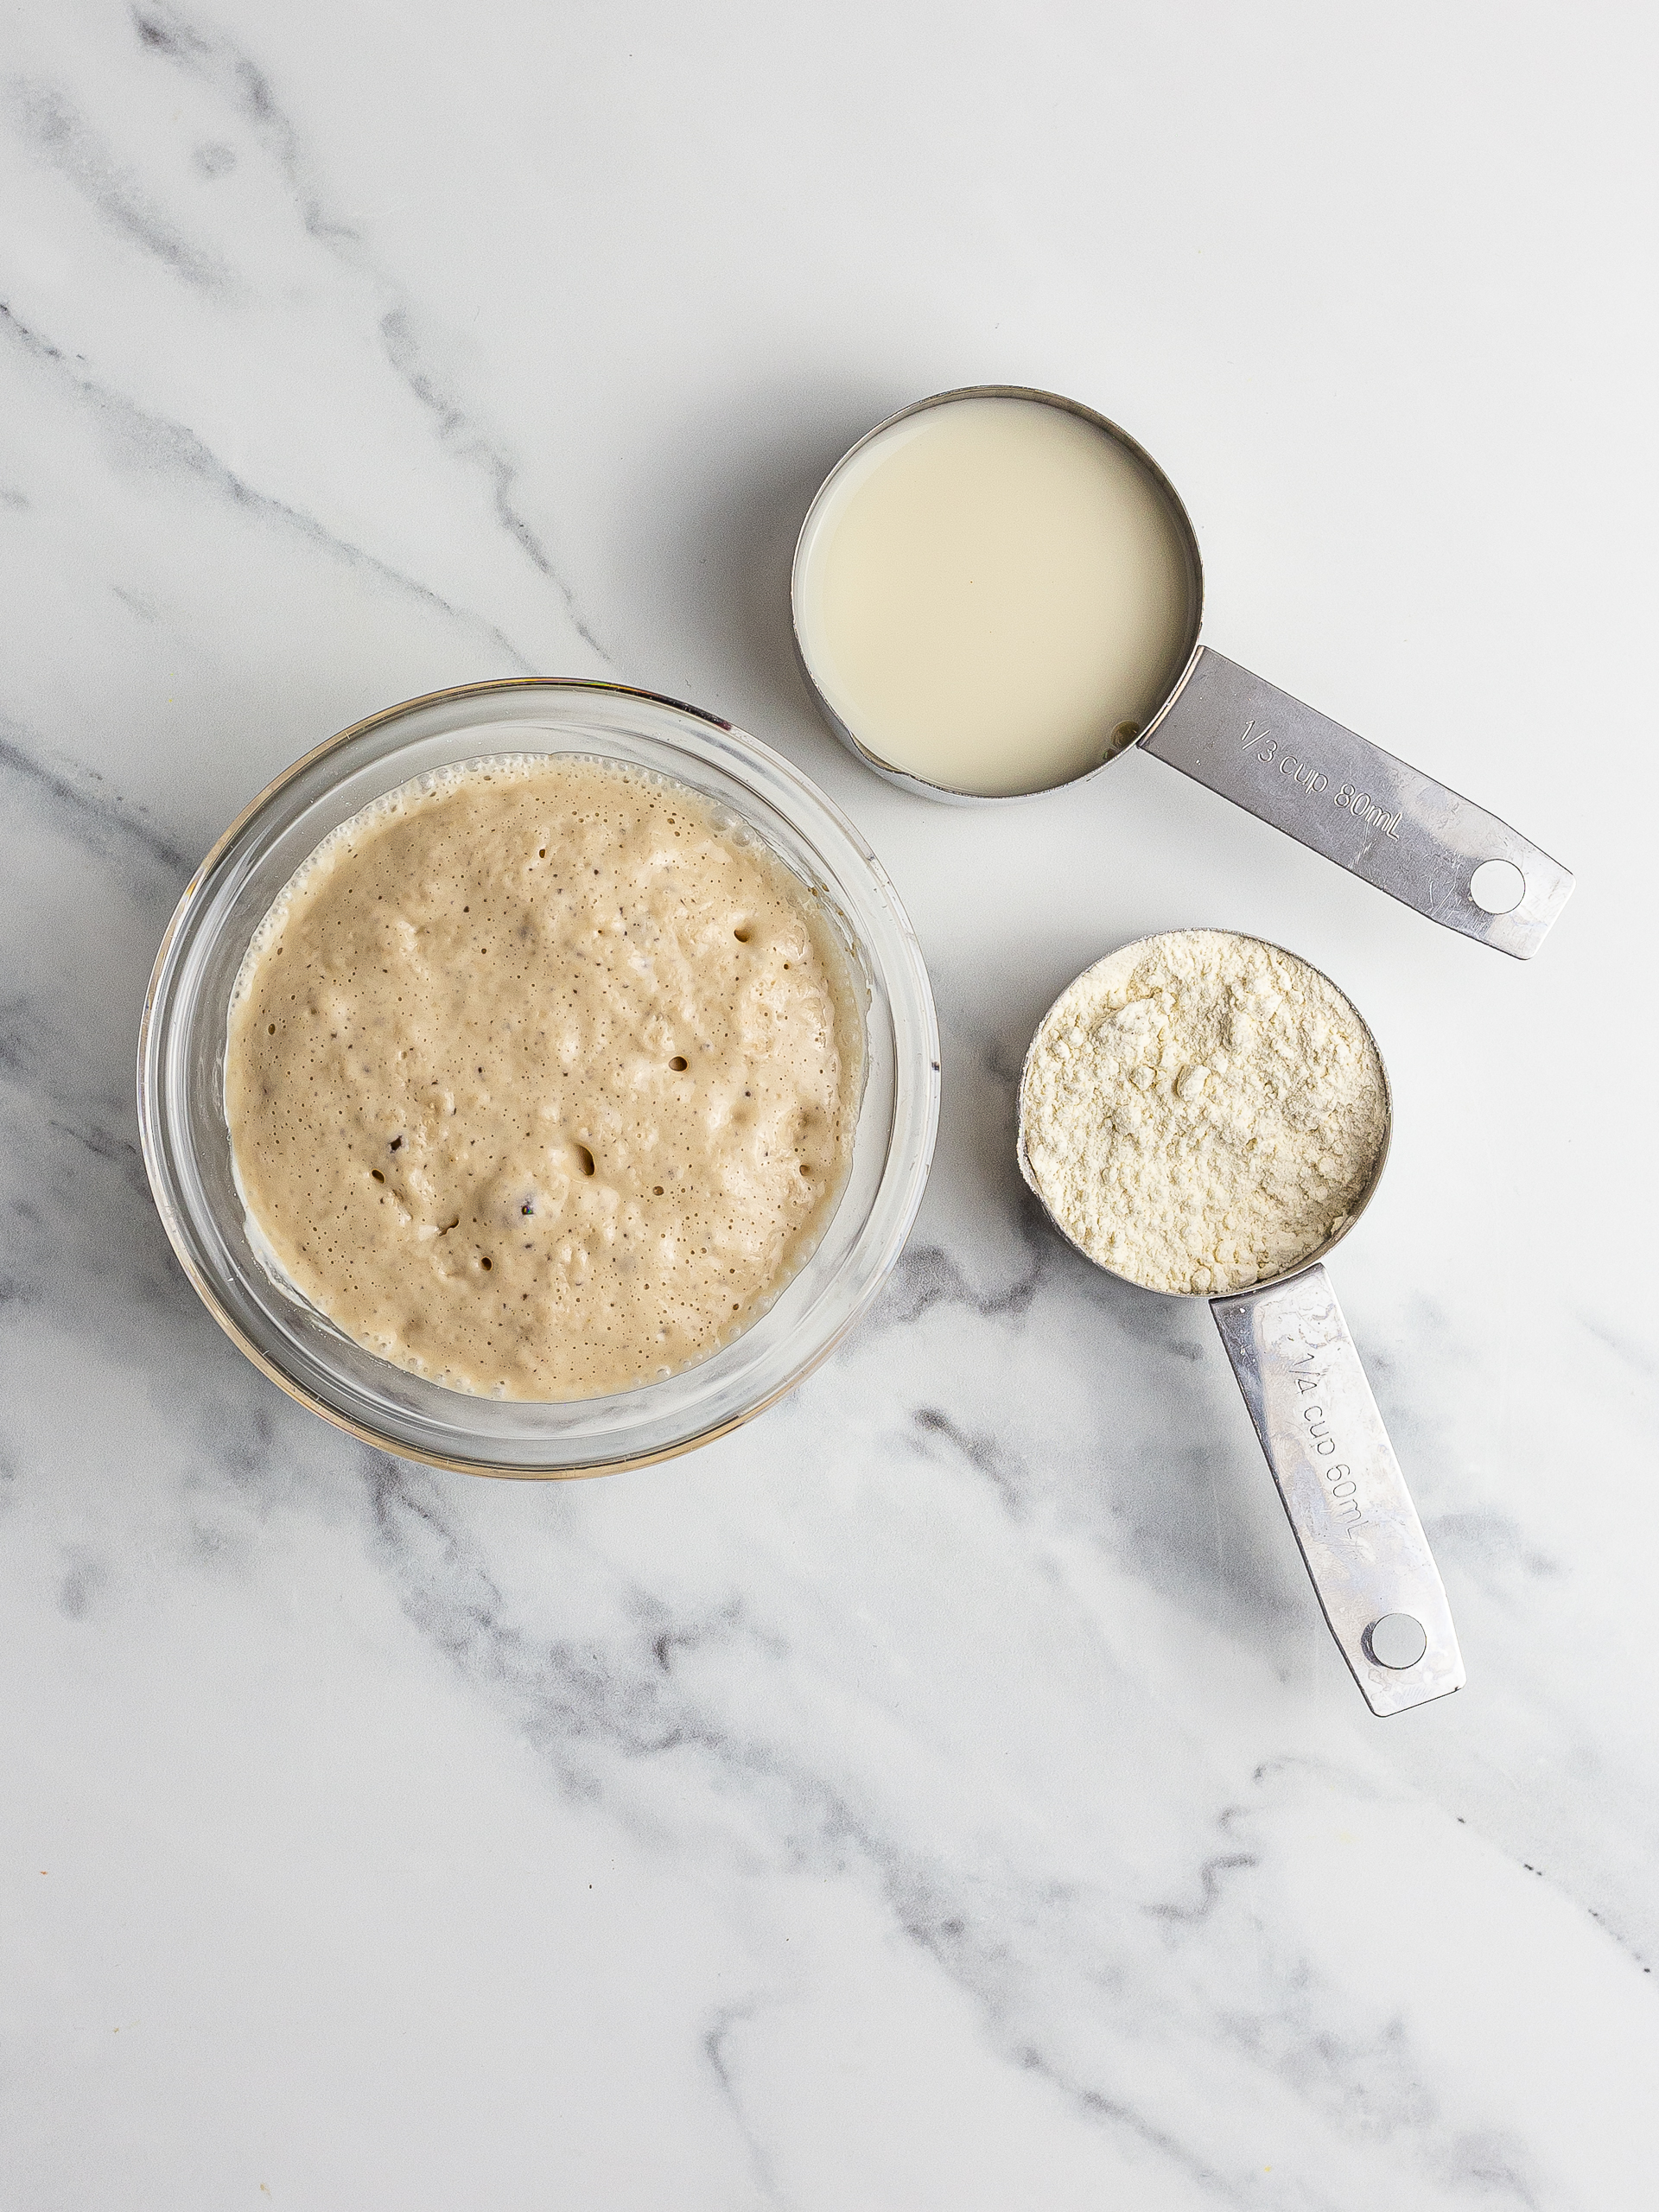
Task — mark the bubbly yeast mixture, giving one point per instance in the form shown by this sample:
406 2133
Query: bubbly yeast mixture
540 1081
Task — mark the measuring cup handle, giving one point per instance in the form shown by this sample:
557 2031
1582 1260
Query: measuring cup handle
1364 1545
1350 800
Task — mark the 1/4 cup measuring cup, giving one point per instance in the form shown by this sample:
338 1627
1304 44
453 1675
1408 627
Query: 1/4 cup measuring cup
1204 715
1318 1425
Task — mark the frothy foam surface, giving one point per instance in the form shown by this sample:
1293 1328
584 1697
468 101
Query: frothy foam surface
540 1078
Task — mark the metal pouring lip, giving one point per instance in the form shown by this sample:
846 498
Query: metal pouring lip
1308 1259
1183 521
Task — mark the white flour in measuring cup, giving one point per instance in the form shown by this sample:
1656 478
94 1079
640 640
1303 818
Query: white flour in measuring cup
1203 1111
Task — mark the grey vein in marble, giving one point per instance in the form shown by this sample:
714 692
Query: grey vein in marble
585 1707
170 448
463 437
86 806
217 61
48 120
246 89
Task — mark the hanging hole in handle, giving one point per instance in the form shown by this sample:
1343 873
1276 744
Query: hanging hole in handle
1497 886
1397 1641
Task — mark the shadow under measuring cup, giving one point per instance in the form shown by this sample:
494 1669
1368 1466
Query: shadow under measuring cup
998 592
1319 1427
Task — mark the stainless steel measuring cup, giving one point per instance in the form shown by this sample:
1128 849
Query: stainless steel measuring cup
1343 1490
1269 754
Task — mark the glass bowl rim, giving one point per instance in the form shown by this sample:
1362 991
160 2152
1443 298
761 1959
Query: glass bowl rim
158 1010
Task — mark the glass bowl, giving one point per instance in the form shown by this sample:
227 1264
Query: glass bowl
181 1074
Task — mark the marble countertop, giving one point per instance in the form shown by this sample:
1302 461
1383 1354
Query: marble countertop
943 1792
